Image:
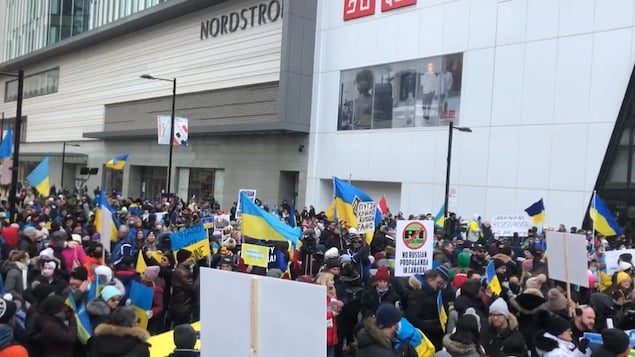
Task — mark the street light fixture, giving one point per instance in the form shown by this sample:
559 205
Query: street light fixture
16 144
64 161
173 80
451 129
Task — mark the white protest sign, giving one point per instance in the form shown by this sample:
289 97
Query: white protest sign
567 258
506 225
414 244
251 194
365 213
611 258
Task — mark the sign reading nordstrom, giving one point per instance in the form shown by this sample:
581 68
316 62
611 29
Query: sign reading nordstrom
266 12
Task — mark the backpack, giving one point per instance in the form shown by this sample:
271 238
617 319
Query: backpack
123 248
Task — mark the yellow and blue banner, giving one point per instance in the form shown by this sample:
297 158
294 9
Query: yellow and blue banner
355 207
193 239
39 177
141 301
256 255
330 212
7 144
492 279
258 224
141 262
439 219
84 327
603 219
117 162
105 221
443 315
536 211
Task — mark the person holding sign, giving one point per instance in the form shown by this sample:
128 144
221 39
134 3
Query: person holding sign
184 289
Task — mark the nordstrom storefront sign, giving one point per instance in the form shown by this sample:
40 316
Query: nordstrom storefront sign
256 15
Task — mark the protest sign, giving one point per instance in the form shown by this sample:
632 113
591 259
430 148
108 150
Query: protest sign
193 239
251 194
365 213
255 255
207 222
611 258
567 260
507 225
414 243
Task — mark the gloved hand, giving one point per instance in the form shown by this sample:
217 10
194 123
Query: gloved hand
584 343
128 302
149 314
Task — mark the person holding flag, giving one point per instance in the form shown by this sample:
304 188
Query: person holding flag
420 302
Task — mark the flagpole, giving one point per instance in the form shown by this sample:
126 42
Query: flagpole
592 209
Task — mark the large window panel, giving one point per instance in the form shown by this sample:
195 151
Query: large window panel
35 85
417 93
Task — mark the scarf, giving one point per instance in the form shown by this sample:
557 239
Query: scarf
24 270
6 336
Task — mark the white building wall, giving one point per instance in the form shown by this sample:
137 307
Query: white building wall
543 81
109 72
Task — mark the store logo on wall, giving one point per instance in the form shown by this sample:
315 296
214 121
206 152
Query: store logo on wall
387 5
257 15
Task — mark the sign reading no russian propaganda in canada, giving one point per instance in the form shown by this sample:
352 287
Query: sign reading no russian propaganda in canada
415 240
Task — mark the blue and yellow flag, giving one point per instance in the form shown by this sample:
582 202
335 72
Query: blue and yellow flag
105 222
141 262
330 212
193 239
84 327
603 219
292 213
258 224
7 144
39 178
443 316
355 207
492 279
118 162
536 211
439 219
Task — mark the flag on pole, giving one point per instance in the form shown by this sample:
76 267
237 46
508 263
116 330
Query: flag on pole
603 219
259 224
536 211
117 162
439 219
353 204
492 279
382 205
7 144
443 315
105 223
39 178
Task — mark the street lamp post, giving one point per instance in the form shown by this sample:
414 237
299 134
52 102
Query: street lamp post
16 144
173 80
64 161
451 129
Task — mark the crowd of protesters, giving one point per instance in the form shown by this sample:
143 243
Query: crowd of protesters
53 253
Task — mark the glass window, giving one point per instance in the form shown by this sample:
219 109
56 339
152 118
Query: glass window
35 85
417 93
201 184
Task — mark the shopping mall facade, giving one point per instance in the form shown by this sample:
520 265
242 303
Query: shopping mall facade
244 82
545 86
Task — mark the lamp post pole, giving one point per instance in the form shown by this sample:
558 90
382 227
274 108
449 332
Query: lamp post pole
13 190
451 129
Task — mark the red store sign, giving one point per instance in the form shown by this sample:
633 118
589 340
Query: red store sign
354 9
387 5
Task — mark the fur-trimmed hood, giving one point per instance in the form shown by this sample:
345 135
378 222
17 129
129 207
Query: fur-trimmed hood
505 258
98 307
457 348
372 335
414 283
528 304
107 329
117 341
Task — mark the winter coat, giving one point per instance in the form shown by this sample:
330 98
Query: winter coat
16 278
29 246
463 302
69 254
56 282
528 309
184 290
548 345
157 297
331 332
371 300
98 312
493 341
55 337
117 341
8 348
90 264
453 348
372 342
420 308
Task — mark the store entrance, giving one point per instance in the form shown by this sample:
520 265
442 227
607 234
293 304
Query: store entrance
153 181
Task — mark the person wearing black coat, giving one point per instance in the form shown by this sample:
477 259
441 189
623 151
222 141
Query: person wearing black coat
121 337
376 336
379 293
502 330
528 307
471 297
420 306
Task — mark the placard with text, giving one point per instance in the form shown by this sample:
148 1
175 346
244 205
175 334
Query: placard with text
414 244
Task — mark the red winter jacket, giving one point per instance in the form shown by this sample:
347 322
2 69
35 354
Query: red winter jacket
331 332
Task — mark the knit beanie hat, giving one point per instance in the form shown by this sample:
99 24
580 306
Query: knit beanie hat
108 292
622 277
472 311
332 263
443 271
615 340
184 336
387 315
558 325
183 255
555 300
498 263
382 274
124 316
7 311
152 272
52 305
331 253
79 273
499 306
527 264
536 281
624 266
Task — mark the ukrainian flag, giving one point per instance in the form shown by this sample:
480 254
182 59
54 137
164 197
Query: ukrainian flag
257 223
602 218
118 162
443 316
346 197
7 144
439 219
105 222
492 279
536 211
330 212
39 178
84 327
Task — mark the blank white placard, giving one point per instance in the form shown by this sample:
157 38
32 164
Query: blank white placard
576 257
